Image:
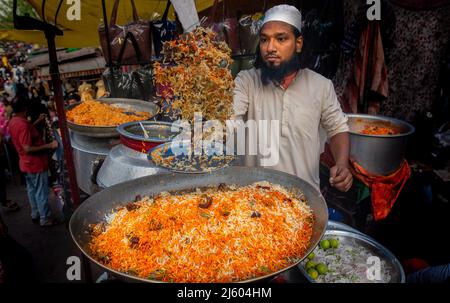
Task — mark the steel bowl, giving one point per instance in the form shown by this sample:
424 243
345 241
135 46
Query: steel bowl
156 132
96 207
378 154
111 131
348 237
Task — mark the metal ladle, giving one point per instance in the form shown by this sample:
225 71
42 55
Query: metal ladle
146 136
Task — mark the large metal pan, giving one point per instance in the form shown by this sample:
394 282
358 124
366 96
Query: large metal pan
111 131
94 209
356 240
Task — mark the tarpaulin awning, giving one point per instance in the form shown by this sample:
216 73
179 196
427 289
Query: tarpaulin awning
62 55
89 66
83 32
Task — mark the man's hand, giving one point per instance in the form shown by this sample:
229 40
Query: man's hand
341 177
53 144
40 119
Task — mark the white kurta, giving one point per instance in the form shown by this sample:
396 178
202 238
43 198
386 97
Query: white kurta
307 107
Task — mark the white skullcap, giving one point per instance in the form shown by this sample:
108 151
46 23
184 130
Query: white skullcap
285 13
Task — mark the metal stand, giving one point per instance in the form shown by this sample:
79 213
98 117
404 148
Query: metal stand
28 23
109 62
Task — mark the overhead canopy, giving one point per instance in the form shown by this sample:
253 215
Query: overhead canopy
83 33
85 67
74 63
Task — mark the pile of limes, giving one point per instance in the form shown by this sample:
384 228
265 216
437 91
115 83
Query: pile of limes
315 269
326 244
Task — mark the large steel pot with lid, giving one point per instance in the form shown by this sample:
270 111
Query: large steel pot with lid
378 154
129 160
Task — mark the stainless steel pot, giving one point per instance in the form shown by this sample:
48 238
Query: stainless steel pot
94 209
378 154
125 164
157 131
88 156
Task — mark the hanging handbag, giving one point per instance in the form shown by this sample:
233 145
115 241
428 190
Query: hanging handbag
226 29
140 29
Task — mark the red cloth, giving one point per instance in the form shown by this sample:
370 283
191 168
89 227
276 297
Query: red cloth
384 189
24 133
288 80
414 264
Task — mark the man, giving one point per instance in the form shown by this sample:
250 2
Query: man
73 98
33 161
300 99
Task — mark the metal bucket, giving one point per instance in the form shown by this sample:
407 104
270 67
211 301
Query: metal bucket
88 156
378 154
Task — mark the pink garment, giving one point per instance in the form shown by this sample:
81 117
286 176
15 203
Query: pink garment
3 120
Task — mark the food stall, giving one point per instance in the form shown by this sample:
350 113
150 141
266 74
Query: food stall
167 205
184 221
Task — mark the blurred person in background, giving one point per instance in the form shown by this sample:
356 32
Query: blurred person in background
33 161
4 202
73 98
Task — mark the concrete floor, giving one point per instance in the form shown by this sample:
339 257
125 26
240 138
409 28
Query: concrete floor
50 247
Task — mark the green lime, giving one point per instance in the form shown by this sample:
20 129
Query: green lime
311 256
322 268
310 264
324 244
312 273
334 243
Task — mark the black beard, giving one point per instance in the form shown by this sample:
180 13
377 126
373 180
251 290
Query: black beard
276 74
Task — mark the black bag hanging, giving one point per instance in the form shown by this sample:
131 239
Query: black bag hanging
137 84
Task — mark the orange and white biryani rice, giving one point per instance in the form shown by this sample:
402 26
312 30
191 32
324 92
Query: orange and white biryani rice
96 113
215 234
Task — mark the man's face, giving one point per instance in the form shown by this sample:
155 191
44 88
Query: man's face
278 43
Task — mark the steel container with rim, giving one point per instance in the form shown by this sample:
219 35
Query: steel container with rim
111 131
378 154
348 236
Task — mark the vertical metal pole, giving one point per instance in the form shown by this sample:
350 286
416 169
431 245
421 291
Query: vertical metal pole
108 42
108 50
59 101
